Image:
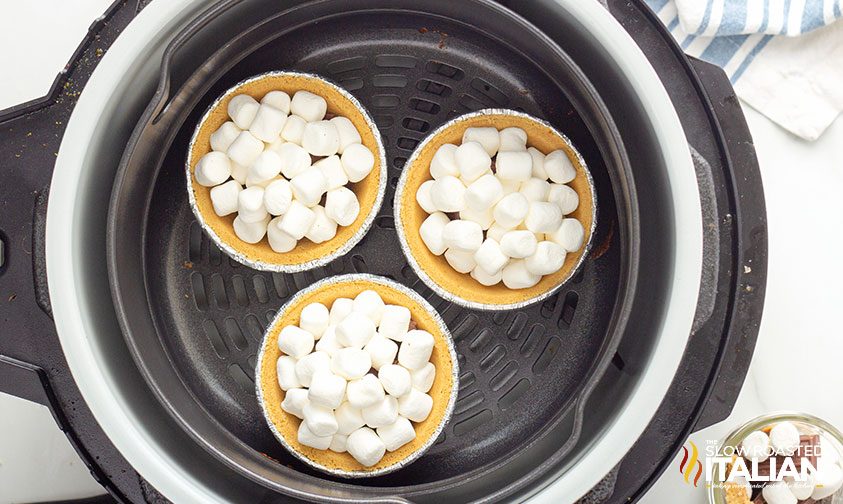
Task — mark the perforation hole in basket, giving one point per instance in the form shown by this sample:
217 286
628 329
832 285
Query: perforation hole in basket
513 394
241 378
390 81
395 61
386 101
492 93
434 87
426 106
569 307
534 337
445 70
414 124
215 338
235 334
551 348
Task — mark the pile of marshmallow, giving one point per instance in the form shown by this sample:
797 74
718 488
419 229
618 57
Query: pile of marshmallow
356 375
503 221
783 441
295 166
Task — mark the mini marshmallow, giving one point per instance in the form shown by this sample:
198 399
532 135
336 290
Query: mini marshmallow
415 405
548 258
308 106
365 446
279 241
294 402
242 110
328 342
334 173
777 492
489 257
268 123
347 132
311 364
250 232
294 159
213 168
462 262
432 231
801 489
535 189
396 434
396 380
484 278
415 349
444 163
293 129
338 443
496 232
297 221
239 172
487 137
225 198
326 389
349 418
756 446
543 217
511 210
465 236
250 182
319 418
473 161
277 99
321 138
308 438
828 480
357 161
365 392
538 163
355 330
309 186
285 368
564 197
267 165
422 379
275 145
516 276
250 204
245 149
340 308
369 303
277 197
383 412
518 244
516 165
221 138
570 235
448 194
559 168
382 350
323 228
483 193
395 322
295 341
513 139
342 206
351 363
314 319
510 186
784 437
484 219
424 197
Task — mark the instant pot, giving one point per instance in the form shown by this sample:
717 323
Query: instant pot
141 336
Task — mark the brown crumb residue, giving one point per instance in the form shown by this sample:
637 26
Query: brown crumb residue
605 244
188 265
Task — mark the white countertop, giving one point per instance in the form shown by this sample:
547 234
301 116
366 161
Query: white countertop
795 366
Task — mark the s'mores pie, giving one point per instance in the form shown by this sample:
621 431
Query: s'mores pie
357 376
495 210
286 171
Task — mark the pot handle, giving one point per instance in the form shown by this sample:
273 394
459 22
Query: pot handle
748 221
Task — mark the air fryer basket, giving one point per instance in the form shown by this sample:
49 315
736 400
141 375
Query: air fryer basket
195 330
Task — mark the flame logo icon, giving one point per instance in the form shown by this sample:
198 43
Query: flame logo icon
691 462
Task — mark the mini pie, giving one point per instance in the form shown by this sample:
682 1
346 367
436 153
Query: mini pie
306 254
443 390
435 270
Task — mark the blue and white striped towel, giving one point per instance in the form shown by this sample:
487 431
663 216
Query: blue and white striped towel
793 77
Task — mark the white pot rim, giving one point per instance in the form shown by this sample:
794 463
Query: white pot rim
125 429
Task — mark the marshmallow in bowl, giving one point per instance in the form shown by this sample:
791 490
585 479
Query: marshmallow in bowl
756 446
309 106
784 437
358 390
292 159
518 197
